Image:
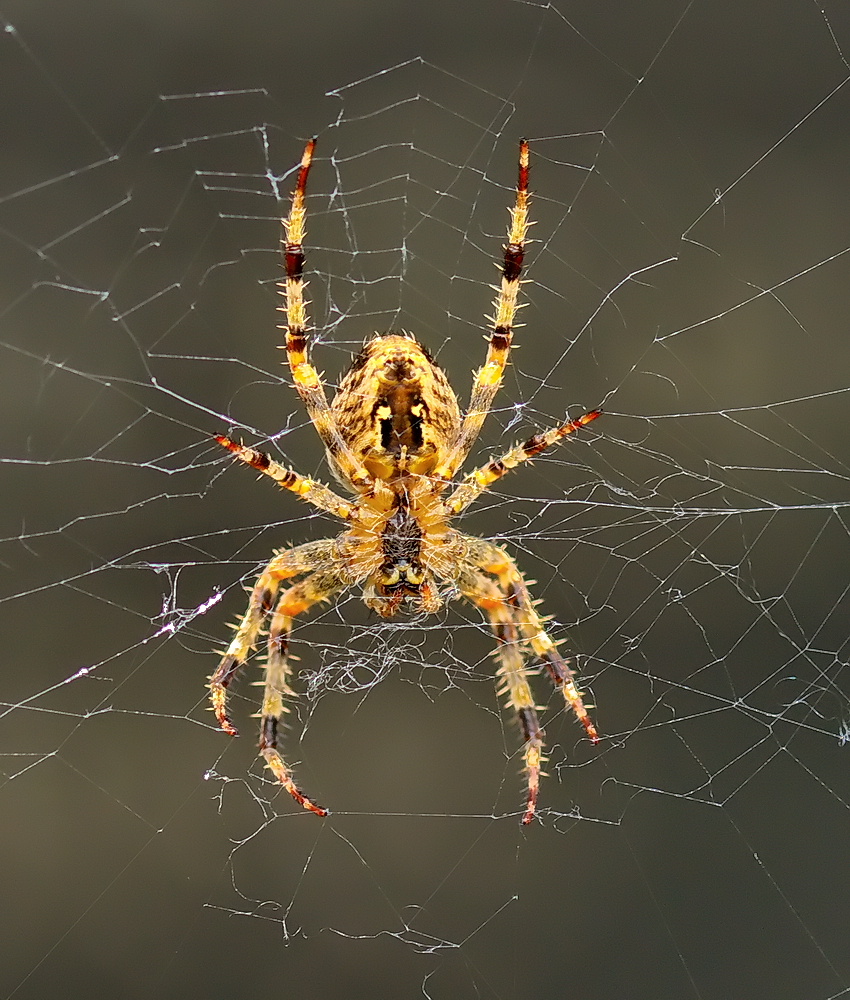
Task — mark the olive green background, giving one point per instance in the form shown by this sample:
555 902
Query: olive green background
689 164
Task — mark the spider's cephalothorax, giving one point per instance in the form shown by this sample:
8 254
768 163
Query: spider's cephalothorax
395 437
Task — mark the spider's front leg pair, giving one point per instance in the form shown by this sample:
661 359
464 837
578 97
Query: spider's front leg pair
316 560
518 628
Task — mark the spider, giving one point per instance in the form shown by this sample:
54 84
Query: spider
395 437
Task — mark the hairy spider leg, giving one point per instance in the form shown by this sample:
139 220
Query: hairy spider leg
318 586
493 559
499 606
305 377
308 489
284 565
475 482
489 378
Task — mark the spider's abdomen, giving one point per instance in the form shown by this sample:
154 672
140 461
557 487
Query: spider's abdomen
396 408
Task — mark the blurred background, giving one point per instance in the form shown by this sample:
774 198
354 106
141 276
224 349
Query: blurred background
689 274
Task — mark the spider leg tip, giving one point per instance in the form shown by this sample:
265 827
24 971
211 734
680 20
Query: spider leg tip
226 442
530 812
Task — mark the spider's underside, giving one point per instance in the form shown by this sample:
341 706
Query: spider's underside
395 437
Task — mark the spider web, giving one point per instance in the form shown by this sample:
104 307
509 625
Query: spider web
688 273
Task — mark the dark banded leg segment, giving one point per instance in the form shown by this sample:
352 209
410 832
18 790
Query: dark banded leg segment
319 586
305 377
489 378
500 609
478 480
286 563
308 489
259 605
495 560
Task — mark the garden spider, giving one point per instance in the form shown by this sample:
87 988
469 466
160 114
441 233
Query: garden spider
394 436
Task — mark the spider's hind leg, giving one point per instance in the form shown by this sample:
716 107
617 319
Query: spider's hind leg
294 601
493 559
285 564
499 608
519 630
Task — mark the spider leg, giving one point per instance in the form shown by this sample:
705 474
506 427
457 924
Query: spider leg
475 482
493 559
305 377
500 608
286 563
318 586
308 489
489 378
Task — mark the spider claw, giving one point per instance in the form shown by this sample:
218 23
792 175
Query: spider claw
218 696
531 801
305 802
226 725
226 442
590 729
274 762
